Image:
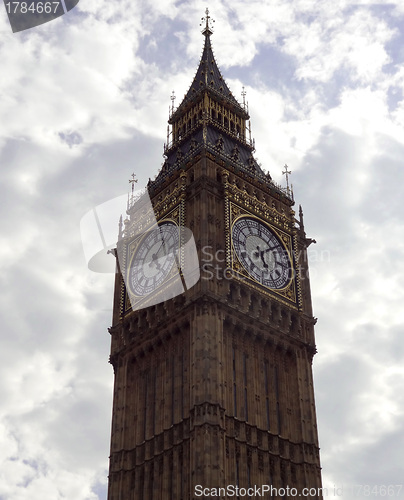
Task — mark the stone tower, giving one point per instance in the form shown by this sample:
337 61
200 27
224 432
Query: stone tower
214 387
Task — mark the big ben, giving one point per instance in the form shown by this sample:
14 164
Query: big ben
213 386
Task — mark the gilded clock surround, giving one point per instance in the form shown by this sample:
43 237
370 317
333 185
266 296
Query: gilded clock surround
135 247
289 290
239 203
175 216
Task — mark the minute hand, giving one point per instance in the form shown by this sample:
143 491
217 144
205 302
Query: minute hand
157 255
269 249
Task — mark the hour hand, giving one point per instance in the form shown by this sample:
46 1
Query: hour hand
263 260
154 256
260 253
155 261
164 250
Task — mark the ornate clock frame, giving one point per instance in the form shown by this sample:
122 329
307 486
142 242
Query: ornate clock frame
169 207
239 203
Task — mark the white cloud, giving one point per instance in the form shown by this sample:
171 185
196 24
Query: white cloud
84 102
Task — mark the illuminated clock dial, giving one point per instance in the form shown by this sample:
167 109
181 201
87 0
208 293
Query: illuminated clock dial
261 253
154 259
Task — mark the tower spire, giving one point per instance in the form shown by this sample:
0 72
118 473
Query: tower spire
210 117
208 76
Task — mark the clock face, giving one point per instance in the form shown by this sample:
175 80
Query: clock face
154 259
261 253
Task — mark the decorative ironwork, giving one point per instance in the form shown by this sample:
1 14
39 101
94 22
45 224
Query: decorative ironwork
245 104
172 101
287 172
132 182
208 30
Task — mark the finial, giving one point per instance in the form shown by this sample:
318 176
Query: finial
243 94
301 218
208 23
287 172
120 226
132 182
172 101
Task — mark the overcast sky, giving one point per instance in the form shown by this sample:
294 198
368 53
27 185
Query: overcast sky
84 102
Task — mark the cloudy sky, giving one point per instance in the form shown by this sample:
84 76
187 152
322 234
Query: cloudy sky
84 102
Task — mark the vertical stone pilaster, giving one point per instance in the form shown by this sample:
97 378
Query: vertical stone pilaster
207 401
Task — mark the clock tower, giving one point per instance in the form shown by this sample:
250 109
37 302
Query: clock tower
213 387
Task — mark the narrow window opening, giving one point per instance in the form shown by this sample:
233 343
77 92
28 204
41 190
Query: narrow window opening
172 390
266 370
278 409
182 385
146 376
234 383
245 387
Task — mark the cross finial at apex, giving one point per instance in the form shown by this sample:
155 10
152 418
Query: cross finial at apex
287 173
133 181
172 101
243 94
208 23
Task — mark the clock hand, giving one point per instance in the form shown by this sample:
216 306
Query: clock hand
263 260
260 253
155 256
155 261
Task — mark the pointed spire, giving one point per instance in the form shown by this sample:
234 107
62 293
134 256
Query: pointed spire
208 76
301 218
120 226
